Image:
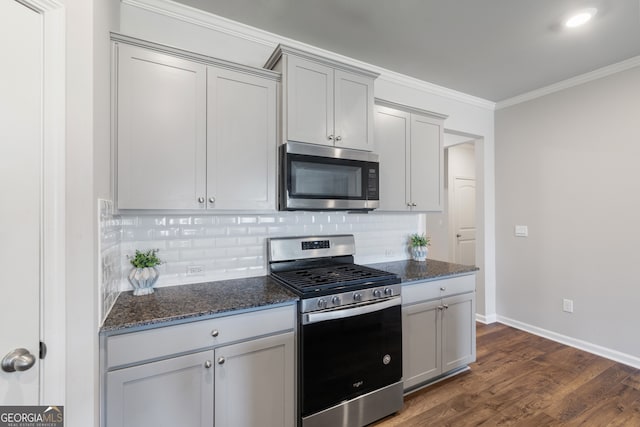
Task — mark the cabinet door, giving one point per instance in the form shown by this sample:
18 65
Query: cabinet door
254 383
167 393
241 140
309 95
353 105
421 343
426 163
458 331
392 135
161 130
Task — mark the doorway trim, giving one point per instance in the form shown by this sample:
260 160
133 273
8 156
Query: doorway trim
52 287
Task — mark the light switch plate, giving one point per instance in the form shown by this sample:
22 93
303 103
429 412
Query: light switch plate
522 231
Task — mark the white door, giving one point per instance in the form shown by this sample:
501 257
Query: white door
464 195
20 192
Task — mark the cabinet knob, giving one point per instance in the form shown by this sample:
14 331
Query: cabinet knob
443 288
215 333
212 199
338 138
208 364
221 360
408 204
440 307
200 199
330 137
413 205
445 306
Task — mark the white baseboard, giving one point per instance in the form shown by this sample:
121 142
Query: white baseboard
486 319
608 353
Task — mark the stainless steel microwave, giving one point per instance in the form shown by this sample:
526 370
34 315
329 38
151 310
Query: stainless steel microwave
317 177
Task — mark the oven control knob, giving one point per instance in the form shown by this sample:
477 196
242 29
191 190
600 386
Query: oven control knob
322 303
335 300
357 296
388 291
377 293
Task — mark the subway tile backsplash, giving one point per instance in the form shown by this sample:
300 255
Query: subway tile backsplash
234 245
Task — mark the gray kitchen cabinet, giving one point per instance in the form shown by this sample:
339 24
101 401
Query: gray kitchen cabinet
324 101
438 328
259 371
235 370
410 146
172 392
192 132
161 130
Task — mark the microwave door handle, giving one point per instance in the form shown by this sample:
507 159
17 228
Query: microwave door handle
349 312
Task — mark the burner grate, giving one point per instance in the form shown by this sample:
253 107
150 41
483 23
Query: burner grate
342 275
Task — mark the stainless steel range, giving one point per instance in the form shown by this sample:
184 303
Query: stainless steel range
350 331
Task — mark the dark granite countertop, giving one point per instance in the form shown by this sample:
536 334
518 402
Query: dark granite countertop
410 271
193 302
199 301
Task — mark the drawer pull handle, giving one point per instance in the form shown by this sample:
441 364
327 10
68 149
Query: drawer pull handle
215 333
221 360
208 364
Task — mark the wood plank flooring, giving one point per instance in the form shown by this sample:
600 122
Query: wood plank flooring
521 379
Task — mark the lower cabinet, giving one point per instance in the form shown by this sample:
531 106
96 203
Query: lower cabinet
256 374
246 378
438 329
171 392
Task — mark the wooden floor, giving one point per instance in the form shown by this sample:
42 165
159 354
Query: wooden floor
521 379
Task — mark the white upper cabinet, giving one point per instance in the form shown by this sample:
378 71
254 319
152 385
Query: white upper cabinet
193 132
409 143
323 101
161 130
241 140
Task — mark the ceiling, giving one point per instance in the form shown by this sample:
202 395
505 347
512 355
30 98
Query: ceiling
492 49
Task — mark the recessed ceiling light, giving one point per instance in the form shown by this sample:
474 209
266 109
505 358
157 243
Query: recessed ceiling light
581 17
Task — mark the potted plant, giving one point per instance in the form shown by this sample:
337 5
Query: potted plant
419 243
144 274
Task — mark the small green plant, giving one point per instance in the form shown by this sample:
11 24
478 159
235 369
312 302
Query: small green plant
419 240
145 259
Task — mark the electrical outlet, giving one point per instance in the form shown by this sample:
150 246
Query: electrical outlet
195 270
567 305
521 231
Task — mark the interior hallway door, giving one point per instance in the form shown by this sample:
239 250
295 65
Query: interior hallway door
464 193
20 205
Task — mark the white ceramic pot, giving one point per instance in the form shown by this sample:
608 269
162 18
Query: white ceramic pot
419 253
143 279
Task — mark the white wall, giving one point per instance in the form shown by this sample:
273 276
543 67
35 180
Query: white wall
564 167
176 25
87 142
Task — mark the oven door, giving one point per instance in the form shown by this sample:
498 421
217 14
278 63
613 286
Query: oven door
325 178
349 352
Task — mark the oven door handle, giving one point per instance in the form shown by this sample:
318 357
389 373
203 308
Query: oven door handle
349 312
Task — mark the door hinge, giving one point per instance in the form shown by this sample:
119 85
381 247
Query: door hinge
43 350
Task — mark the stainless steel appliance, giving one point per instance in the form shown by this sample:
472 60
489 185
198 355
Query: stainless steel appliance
316 177
350 331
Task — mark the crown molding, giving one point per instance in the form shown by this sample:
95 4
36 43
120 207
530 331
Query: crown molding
572 82
408 109
204 59
217 23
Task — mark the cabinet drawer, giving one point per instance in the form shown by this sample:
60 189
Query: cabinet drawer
136 347
424 291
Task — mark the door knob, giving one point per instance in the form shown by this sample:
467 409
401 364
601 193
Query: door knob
18 360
